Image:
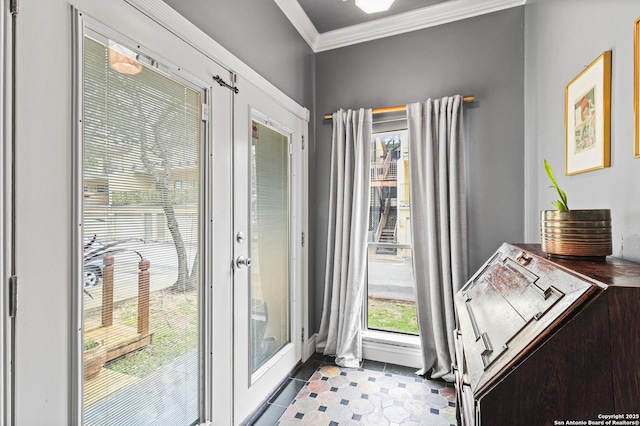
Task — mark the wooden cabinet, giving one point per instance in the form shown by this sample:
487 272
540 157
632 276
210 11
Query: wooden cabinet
540 340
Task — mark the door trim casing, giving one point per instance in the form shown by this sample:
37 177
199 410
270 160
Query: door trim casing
162 13
6 223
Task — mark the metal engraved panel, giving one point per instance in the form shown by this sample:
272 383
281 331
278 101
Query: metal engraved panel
502 301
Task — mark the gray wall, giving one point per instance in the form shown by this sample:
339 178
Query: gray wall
481 56
561 38
259 34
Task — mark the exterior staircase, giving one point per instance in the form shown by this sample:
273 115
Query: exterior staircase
384 176
388 234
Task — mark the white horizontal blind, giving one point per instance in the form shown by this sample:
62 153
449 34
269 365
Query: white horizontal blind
141 204
270 288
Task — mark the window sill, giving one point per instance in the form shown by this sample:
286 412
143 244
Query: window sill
397 339
392 348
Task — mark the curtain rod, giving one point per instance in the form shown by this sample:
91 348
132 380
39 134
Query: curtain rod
396 108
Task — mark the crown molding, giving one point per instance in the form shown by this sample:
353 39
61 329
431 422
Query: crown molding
294 12
418 19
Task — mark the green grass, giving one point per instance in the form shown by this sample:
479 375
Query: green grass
392 315
173 320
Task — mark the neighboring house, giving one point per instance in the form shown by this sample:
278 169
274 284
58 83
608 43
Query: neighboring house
111 192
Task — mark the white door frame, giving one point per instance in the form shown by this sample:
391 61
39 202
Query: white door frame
215 127
6 220
251 388
43 392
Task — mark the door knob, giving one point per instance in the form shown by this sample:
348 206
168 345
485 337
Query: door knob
243 262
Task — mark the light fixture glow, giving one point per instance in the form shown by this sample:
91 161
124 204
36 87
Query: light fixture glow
374 6
123 60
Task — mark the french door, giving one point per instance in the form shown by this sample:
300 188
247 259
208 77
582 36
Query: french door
153 148
156 180
146 198
267 245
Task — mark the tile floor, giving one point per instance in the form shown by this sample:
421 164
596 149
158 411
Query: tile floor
319 393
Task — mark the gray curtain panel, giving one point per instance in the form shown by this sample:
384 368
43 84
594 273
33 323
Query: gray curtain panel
340 328
439 225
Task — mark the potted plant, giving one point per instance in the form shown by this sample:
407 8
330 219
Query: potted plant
95 355
574 233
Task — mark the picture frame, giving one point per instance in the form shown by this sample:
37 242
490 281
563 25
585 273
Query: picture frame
588 117
636 86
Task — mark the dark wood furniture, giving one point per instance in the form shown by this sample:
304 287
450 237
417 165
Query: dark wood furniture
543 341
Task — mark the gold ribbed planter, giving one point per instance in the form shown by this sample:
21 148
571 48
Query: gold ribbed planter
576 233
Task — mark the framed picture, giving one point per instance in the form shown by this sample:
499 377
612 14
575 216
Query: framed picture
588 117
636 85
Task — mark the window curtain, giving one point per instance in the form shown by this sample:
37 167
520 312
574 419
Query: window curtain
439 225
341 324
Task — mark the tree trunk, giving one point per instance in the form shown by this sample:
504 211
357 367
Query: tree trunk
161 175
181 283
192 283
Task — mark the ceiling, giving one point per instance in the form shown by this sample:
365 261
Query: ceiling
327 15
330 24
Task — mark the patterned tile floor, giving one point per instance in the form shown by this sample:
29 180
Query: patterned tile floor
375 394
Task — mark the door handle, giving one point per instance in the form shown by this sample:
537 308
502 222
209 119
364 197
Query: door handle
243 262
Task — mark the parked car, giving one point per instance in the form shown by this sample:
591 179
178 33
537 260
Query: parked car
92 271
94 252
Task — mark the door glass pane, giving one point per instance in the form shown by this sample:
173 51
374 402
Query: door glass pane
140 219
391 289
269 295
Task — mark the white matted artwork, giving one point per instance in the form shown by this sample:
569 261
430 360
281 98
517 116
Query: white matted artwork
588 117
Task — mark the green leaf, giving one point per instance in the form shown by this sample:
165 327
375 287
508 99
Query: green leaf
559 205
547 167
562 203
563 197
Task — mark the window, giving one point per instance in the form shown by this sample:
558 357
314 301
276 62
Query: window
390 288
140 223
270 290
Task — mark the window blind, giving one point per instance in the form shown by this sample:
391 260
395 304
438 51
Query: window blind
140 221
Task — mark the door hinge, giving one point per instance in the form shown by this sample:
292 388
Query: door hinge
303 239
13 296
303 334
302 141
205 112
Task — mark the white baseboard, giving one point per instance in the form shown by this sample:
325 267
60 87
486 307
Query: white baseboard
310 347
392 353
377 346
